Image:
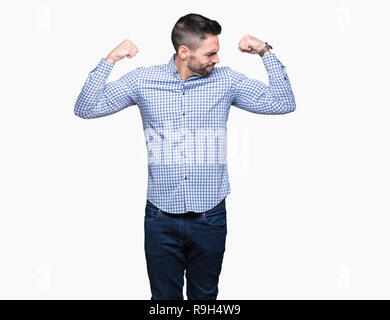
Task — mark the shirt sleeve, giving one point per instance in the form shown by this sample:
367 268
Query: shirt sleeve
255 96
98 98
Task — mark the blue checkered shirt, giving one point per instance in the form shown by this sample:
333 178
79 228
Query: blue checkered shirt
184 123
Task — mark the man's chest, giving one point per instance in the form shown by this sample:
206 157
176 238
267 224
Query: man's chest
195 104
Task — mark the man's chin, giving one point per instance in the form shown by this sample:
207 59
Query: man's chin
206 73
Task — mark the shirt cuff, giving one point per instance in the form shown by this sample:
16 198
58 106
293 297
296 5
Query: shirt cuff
271 62
104 67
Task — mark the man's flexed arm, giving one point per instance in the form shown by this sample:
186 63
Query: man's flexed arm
255 96
98 99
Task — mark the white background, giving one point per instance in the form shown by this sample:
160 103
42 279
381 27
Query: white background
308 216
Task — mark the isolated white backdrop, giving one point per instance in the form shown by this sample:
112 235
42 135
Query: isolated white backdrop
308 216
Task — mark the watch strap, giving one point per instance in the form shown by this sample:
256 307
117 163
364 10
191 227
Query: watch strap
265 49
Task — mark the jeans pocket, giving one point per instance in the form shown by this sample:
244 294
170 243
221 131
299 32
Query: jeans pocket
151 214
215 219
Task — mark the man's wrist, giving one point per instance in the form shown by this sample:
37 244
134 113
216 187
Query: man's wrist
265 50
109 59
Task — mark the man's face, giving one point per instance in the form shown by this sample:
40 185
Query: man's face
202 61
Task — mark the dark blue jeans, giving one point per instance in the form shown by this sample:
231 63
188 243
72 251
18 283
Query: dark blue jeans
191 242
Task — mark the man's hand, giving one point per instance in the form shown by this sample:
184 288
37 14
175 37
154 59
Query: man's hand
125 49
252 45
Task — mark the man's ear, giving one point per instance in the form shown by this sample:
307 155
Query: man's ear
184 52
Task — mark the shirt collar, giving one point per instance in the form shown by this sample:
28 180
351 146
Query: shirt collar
171 65
174 70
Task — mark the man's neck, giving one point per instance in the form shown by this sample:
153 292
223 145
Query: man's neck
183 70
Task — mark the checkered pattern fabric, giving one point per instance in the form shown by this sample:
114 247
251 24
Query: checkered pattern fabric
184 123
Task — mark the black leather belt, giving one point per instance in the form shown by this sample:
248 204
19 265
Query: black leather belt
219 206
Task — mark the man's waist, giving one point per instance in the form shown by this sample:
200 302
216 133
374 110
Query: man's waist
219 206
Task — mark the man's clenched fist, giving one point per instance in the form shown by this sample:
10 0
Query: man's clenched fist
251 44
125 49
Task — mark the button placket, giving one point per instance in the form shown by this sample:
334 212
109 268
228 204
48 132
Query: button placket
183 130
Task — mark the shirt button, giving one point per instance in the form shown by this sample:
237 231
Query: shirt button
184 113
185 177
183 92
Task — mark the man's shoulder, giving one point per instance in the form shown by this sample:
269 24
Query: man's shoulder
153 70
222 71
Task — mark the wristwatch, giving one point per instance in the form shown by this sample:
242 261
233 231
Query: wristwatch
265 49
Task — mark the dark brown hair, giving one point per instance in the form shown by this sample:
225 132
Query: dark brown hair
190 29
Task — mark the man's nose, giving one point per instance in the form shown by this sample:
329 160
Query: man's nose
216 59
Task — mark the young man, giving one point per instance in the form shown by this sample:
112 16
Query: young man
184 106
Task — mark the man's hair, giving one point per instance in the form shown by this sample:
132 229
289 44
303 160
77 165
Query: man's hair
191 29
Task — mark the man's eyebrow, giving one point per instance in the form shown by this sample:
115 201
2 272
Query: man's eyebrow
212 52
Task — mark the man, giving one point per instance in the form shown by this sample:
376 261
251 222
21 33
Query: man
184 106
